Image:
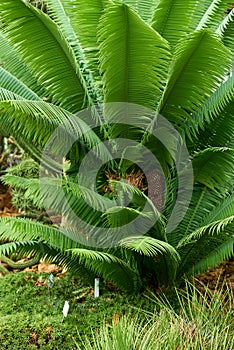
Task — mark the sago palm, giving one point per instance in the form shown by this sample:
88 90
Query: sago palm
156 74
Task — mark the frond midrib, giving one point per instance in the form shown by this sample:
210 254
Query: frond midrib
169 88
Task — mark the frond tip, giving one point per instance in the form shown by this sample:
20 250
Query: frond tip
149 246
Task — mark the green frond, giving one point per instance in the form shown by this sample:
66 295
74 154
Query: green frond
186 16
29 184
138 197
34 151
68 17
203 202
171 14
135 208
160 257
221 253
86 254
22 229
27 167
214 167
213 12
130 51
211 109
47 242
223 125
47 253
108 266
29 249
24 248
85 16
39 119
226 30
86 204
58 12
144 8
46 52
129 221
148 246
11 83
214 222
222 209
11 61
10 124
61 195
207 224
198 250
76 203
199 65
210 229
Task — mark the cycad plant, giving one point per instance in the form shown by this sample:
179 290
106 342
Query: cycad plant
156 79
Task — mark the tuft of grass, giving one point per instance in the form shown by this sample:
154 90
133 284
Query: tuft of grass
204 321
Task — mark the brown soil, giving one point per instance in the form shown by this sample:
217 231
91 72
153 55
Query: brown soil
6 208
221 276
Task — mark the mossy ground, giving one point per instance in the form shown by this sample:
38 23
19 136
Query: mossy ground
31 314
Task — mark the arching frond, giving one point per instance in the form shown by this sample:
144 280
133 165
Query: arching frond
149 246
221 253
221 210
56 247
45 51
58 12
211 109
129 221
9 82
214 167
203 202
171 14
186 17
12 62
226 30
23 248
81 206
96 256
47 253
166 258
219 132
38 120
210 229
129 51
207 224
31 185
22 229
214 222
78 22
199 65
110 267
213 12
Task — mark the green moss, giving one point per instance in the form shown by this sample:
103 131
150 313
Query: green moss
31 314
